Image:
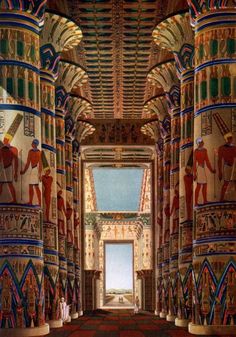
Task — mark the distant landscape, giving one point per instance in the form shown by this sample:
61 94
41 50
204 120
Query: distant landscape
121 296
119 291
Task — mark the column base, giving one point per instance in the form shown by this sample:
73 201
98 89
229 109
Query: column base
181 322
81 313
163 314
198 329
25 332
157 313
170 318
55 323
75 315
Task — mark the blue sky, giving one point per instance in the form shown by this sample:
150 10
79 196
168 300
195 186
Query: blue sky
119 266
117 189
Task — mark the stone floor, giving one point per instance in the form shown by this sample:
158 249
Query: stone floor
120 323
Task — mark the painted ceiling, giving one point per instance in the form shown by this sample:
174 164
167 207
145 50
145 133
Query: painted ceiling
117 51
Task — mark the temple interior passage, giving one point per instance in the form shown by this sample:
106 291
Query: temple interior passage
117 168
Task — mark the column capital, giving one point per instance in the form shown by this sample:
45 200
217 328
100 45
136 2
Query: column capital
151 129
35 8
59 34
83 130
164 75
80 107
176 34
71 75
199 8
158 107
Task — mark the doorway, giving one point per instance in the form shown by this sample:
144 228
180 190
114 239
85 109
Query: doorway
119 275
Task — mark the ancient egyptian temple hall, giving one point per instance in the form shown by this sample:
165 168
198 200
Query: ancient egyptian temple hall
117 168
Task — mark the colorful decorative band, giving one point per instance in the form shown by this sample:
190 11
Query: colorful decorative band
48 112
214 107
217 24
186 146
60 142
21 108
210 239
20 241
63 172
46 76
187 110
49 148
19 64
51 252
69 189
221 14
214 63
26 256
21 25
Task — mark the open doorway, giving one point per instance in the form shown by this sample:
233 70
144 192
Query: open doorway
119 275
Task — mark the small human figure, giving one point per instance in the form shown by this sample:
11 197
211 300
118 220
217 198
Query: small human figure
69 212
47 181
200 161
8 167
34 160
227 164
65 311
175 210
136 305
188 184
61 212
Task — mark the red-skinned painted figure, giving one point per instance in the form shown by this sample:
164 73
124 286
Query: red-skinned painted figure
8 167
34 160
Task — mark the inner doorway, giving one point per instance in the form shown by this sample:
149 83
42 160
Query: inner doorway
119 275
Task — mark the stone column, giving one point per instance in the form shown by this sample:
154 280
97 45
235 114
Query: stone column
176 35
59 34
214 265
21 240
164 75
79 108
76 310
157 107
69 128
70 75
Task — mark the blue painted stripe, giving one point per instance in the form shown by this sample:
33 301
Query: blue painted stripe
51 263
19 241
49 147
18 24
61 142
51 252
175 140
187 110
17 16
48 112
21 108
213 239
186 250
22 256
214 107
19 64
61 171
213 63
174 170
221 14
69 163
186 146
70 189
216 253
217 24
61 258
70 264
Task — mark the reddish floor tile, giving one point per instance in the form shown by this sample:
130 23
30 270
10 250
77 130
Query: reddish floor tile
127 321
81 333
109 327
147 327
94 321
131 333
